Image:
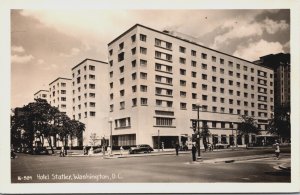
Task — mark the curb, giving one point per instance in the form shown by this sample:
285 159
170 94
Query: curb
285 167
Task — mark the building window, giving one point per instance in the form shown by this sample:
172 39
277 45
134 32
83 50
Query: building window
133 89
92 77
133 38
181 49
204 87
203 56
214 89
122 93
133 76
92 95
63 99
111 108
143 75
120 57
194 96
213 58
78 80
144 101
194 63
214 109
182 94
160 121
204 66
182 71
133 63
92 86
143 62
134 102
92 113
222 80
222 61
214 98
133 51
143 88
183 106
230 64
204 76
204 97
182 60
143 50
92 68
121 46
121 81
92 104
193 53
194 74
194 85
143 37
111 52
122 105
182 83
214 69
111 96
221 70
222 100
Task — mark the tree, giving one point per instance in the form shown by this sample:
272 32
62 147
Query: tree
41 120
280 124
205 133
248 126
93 138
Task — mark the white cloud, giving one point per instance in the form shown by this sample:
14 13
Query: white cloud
257 49
21 59
73 52
40 61
272 26
238 29
17 49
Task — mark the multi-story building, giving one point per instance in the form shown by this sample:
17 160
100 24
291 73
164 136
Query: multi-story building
90 99
60 95
280 63
41 94
157 80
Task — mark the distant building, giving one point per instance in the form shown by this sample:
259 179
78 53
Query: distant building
156 80
90 99
60 95
281 65
42 94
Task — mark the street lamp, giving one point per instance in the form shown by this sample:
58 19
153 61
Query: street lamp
110 141
235 140
198 128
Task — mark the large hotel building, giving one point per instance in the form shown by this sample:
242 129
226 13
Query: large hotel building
157 80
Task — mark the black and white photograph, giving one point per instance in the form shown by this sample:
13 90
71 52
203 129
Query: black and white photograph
125 97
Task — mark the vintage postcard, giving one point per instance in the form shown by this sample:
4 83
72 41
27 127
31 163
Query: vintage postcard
154 98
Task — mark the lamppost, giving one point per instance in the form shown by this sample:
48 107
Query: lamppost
110 141
158 140
198 128
234 137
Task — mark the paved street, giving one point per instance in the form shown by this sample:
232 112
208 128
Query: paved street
249 166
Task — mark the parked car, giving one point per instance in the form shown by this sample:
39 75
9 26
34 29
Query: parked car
140 148
222 145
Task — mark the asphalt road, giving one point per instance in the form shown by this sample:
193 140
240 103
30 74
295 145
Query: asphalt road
165 168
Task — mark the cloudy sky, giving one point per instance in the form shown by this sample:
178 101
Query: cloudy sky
46 44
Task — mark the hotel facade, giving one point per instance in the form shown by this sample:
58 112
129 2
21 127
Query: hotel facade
157 80
90 99
42 94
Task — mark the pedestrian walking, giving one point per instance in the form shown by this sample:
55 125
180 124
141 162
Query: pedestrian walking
85 151
194 150
62 152
121 150
177 148
277 150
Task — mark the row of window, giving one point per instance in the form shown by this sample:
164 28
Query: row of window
91 104
91 68
61 84
91 113
91 95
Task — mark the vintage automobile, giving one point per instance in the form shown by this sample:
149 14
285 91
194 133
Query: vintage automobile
140 148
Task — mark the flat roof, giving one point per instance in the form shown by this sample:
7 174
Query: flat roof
40 91
136 25
87 60
58 79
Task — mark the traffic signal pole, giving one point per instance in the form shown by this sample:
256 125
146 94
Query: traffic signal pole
198 132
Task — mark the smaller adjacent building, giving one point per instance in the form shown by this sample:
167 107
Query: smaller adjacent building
90 103
41 94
